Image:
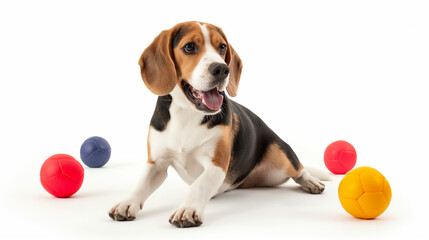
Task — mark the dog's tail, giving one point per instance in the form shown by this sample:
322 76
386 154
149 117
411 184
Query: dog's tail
317 173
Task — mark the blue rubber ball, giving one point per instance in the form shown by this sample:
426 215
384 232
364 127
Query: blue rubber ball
95 152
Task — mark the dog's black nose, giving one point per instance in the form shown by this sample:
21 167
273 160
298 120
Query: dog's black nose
219 71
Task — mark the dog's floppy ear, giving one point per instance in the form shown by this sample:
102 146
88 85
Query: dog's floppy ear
157 65
235 65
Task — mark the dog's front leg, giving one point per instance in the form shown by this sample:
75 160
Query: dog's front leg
154 174
190 213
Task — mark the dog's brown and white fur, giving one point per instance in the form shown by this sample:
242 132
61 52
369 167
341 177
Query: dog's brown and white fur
213 143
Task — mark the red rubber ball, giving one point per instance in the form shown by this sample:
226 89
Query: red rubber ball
340 157
61 175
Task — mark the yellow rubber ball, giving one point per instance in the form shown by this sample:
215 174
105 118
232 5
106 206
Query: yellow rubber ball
364 193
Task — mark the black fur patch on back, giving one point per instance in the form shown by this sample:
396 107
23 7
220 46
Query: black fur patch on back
161 115
251 143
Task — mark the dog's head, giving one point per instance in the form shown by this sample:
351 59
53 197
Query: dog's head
198 59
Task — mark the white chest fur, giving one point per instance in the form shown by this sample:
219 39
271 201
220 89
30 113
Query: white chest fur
185 144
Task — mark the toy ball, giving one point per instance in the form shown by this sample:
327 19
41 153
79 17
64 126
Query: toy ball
340 157
95 152
61 175
364 193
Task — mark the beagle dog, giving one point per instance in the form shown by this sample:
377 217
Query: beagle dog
214 143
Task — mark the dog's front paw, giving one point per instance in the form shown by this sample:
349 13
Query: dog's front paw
185 217
125 211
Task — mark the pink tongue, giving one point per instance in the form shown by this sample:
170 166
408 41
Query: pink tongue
213 99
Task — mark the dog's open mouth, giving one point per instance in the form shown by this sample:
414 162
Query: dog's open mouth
208 101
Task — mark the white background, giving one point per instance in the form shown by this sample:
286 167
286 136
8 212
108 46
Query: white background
315 71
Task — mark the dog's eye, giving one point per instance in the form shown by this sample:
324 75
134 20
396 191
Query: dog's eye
190 48
222 49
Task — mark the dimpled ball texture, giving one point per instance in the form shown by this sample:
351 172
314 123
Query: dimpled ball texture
95 152
340 157
364 193
61 175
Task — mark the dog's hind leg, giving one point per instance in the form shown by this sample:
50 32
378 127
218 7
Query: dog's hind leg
309 183
278 164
